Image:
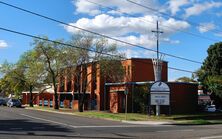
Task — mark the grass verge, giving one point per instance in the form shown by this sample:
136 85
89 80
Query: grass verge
197 119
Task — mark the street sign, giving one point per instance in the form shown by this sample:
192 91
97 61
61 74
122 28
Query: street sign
160 94
160 99
160 87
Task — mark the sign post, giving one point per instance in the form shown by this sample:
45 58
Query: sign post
157 67
126 94
159 95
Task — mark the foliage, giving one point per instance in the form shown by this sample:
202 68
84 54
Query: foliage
112 70
48 61
214 84
141 98
213 63
210 74
200 75
185 79
22 76
32 70
11 82
93 51
50 54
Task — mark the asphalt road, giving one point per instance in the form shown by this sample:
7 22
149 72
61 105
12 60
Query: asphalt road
20 123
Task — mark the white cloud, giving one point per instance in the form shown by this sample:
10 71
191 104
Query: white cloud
137 53
174 5
86 7
168 40
205 27
142 40
3 44
177 25
136 30
199 8
218 34
91 7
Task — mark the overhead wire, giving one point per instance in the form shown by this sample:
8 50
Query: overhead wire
175 17
96 33
66 44
180 30
53 41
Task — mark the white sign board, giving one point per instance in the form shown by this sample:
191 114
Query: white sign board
160 99
160 87
160 94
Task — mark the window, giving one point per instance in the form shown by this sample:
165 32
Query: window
128 70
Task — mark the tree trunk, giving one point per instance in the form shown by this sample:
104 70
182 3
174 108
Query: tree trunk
80 103
56 106
56 101
30 98
82 99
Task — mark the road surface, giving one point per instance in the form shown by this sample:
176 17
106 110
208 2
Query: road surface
20 123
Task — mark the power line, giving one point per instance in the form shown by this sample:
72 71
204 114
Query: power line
175 17
180 30
188 71
65 44
172 68
45 39
92 32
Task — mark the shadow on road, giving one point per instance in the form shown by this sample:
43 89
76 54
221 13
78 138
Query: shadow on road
66 136
25 125
25 128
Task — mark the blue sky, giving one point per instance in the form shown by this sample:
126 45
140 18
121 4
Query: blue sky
135 26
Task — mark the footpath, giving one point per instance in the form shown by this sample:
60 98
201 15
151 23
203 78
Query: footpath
70 112
149 122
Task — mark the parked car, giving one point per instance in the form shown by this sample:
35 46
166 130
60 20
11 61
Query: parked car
2 102
210 108
14 103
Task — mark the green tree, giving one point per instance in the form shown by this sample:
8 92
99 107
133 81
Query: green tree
210 74
51 55
24 75
141 98
99 59
185 79
11 82
213 63
32 71
214 84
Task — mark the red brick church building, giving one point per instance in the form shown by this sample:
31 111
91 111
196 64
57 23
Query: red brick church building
101 95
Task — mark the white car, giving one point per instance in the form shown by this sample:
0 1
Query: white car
210 108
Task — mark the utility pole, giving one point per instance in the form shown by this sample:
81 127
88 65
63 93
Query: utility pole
157 63
157 32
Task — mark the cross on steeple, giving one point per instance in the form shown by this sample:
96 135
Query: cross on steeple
157 32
